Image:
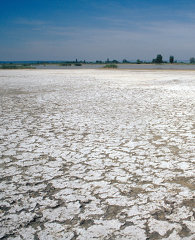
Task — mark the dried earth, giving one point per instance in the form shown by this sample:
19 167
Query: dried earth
97 154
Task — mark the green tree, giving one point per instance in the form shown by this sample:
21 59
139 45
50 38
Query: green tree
107 61
158 59
114 61
139 61
171 59
192 60
125 61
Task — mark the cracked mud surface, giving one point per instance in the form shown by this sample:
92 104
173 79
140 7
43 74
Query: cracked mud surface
97 154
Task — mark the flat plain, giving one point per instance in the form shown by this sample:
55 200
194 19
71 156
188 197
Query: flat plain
97 154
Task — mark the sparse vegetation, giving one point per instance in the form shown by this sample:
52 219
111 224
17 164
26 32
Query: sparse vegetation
110 66
65 64
15 66
78 63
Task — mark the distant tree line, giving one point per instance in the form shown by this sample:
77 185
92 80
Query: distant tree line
76 62
192 60
159 59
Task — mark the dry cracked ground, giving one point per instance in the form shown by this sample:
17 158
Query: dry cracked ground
97 154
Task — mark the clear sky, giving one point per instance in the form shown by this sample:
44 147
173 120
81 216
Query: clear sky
96 29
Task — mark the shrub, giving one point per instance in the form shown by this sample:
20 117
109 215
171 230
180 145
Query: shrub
78 64
110 66
16 66
65 64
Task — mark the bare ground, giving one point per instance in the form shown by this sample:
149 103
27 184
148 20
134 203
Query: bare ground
97 154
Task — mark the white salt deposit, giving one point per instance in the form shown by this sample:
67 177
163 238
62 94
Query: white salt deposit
97 154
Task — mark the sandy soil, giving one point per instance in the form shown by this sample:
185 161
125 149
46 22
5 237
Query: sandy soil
97 154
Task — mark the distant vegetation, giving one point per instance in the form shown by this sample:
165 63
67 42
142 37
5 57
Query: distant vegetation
65 64
139 61
108 63
171 59
158 59
110 66
15 66
192 60
125 61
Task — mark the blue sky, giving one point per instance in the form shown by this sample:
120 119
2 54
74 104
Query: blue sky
96 29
